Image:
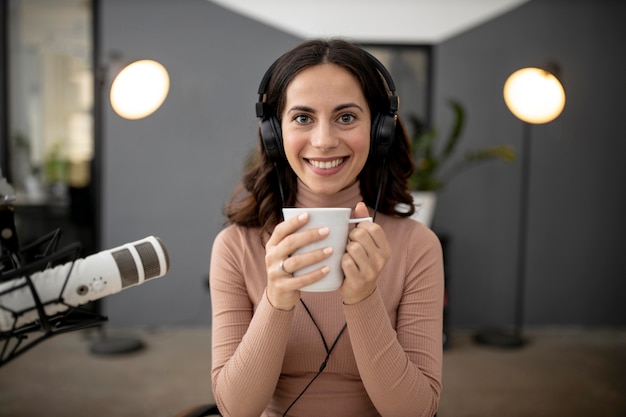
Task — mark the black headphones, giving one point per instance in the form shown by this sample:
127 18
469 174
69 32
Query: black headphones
383 124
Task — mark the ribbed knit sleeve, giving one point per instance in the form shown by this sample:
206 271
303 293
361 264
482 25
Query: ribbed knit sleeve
401 368
249 345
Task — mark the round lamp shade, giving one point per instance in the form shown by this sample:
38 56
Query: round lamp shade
139 89
534 95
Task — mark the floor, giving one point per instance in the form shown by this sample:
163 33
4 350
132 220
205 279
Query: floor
560 372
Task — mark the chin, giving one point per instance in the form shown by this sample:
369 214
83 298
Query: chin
328 188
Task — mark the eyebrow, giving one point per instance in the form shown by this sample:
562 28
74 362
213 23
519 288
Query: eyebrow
336 109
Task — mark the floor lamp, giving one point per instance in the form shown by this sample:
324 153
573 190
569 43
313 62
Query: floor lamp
535 96
137 90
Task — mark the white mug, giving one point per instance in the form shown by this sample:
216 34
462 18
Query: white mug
338 221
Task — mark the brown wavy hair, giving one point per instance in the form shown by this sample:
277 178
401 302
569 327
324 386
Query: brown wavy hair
258 200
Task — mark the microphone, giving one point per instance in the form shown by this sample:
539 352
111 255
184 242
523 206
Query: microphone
78 282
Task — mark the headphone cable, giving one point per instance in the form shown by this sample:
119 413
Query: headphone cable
280 183
383 177
325 362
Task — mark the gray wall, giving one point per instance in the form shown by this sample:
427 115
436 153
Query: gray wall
169 174
575 270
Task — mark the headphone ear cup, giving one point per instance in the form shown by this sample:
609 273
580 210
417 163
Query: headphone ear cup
272 139
383 134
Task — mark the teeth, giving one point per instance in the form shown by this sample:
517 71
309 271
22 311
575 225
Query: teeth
326 164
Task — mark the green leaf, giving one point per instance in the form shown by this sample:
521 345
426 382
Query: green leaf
429 164
457 128
506 153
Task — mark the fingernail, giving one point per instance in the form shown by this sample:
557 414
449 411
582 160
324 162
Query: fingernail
325 270
328 250
303 216
324 231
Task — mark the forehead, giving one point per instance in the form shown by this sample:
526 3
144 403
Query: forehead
324 80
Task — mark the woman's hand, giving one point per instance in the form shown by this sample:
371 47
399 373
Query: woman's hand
366 254
283 289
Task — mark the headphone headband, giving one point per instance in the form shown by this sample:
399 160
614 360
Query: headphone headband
260 105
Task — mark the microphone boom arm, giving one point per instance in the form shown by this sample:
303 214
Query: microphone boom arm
18 340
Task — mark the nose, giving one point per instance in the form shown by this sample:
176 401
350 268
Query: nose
323 137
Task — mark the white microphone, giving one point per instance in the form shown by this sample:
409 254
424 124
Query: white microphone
76 283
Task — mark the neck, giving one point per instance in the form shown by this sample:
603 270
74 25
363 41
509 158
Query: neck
347 197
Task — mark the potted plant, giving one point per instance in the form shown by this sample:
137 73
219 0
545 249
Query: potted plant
434 166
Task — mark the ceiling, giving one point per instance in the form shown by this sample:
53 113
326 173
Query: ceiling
381 21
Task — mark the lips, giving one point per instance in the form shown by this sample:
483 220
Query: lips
327 164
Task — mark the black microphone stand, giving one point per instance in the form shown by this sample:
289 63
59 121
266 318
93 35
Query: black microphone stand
19 339
17 264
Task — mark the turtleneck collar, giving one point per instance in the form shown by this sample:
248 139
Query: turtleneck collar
345 198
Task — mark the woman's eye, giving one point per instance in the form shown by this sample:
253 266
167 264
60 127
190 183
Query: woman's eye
347 118
302 119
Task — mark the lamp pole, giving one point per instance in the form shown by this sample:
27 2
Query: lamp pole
515 339
522 236
535 96
140 91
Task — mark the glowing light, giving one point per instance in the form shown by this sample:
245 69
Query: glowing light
139 89
534 95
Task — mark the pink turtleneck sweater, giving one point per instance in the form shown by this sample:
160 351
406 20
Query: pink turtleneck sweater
388 362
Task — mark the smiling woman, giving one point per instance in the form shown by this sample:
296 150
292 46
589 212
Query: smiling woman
326 128
329 136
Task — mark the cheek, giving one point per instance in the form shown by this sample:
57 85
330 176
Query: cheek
360 144
363 145
293 143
